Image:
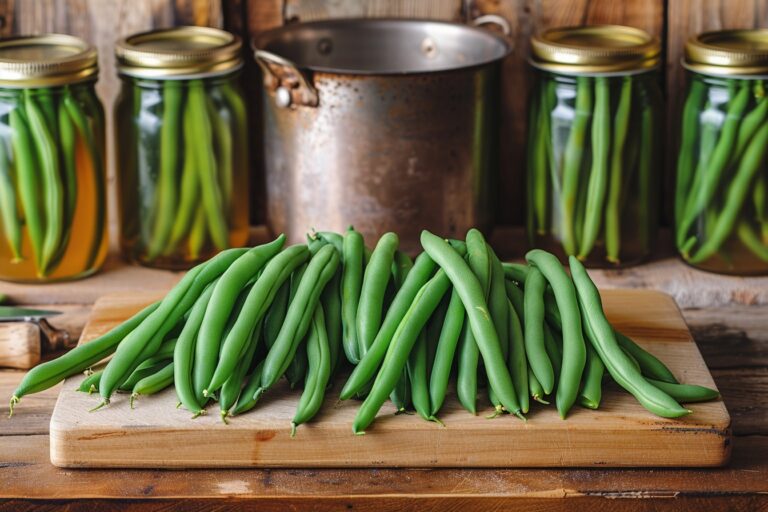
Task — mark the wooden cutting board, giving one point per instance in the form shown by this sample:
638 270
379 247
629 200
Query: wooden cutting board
621 433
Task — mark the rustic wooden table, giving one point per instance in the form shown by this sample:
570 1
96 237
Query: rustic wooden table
729 320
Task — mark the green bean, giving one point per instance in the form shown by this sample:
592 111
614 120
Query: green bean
29 178
172 308
257 302
145 369
197 235
166 199
86 132
533 158
230 390
221 129
554 350
275 315
90 384
632 359
8 208
53 193
433 329
574 351
248 396
612 216
645 176
67 142
651 366
572 161
538 170
592 380
537 393
751 240
516 272
446 350
300 311
190 188
693 103
497 302
331 302
225 294
416 366
206 166
422 270
153 383
518 366
737 190
335 239
297 368
760 200
471 293
598 176
704 189
748 126
422 307
401 393
239 128
351 286
686 393
479 260
375 278
184 352
601 335
50 373
319 356
534 330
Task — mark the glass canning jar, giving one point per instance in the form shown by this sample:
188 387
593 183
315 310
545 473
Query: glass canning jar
182 152
593 144
721 194
52 173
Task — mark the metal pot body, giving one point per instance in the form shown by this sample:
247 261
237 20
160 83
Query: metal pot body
384 152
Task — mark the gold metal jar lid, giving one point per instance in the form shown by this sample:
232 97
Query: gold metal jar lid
595 50
178 53
728 53
46 60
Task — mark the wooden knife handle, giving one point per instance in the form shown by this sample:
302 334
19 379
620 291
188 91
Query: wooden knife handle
19 345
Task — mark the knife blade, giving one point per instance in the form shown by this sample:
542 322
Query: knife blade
16 314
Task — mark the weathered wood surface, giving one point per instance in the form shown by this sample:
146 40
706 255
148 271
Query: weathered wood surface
31 482
621 433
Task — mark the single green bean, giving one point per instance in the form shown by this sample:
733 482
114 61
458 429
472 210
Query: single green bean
331 302
748 126
318 374
612 215
248 396
446 350
230 390
535 350
275 315
351 286
416 366
751 240
598 176
375 279
518 365
592 380
190 188
67 143
646 219
471 293
574 351
650 366
537 393
90 383
601 335
153 383
149 367
221 127
197 235
572 161
686 393
690 130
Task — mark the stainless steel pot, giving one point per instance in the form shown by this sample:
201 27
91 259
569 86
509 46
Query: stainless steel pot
384 124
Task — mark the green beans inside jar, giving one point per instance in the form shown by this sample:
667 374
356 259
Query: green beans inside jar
182 151
593 144
721 195
52 198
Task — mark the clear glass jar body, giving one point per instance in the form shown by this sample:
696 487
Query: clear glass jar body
182 161
592 166
721 192
53 216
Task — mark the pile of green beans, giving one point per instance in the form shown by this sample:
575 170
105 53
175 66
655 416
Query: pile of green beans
44 177
183 165
721 206
233 326
591 167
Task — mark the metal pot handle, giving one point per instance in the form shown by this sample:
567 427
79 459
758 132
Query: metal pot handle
493 19
290 86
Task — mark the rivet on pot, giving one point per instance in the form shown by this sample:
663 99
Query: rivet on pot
282 97
324 46
428 48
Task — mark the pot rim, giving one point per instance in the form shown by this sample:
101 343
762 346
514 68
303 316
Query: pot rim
261 41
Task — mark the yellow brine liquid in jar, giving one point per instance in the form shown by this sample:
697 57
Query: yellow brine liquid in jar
721 194
182 155
53 217
594 144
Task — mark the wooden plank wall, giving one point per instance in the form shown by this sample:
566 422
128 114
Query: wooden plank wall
102 21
